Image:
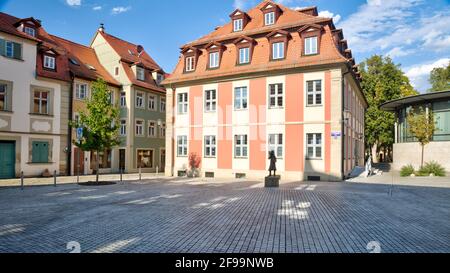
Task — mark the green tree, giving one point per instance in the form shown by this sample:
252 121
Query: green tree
100 123
382 81
440 79
421 125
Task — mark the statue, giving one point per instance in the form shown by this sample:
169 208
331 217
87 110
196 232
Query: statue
273 163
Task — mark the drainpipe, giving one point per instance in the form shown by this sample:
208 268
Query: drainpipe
342 123
69 134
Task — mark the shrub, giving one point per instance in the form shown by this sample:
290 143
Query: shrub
433 168
194 165
407 170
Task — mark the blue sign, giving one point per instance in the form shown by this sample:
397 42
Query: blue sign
336 135
79 133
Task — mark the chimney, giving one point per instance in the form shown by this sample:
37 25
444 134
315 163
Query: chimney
102 27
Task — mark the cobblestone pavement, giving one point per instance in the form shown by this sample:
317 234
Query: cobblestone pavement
184 216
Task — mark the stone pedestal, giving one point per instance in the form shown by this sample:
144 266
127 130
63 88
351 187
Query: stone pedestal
272 181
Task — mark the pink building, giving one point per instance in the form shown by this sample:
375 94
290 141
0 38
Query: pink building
273 78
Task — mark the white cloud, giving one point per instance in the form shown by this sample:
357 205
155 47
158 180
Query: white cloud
118 10
96 8
73 3
399 52
419 74
328 14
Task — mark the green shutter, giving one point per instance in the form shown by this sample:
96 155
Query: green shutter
2 47
17 51
35 152
40 152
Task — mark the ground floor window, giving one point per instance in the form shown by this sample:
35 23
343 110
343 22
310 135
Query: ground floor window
210 146
40 151
276 144
145 158
314 146
182 148
241 146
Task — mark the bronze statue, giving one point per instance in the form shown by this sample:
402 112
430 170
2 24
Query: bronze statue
273 163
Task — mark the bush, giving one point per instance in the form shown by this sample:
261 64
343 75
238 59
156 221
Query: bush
407 170
433 168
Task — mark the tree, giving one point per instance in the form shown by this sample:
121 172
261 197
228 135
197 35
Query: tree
440 79
382 81
100 123
422 126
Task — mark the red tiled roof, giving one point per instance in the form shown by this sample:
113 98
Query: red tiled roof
290 20
7 23
84 56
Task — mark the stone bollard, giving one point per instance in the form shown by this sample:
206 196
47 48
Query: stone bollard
54 178
21 180
140 173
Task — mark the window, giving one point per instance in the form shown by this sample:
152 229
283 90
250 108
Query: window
314 146
210 100
162 107
238 24
3 97
152 129
30 31
190 64
123 127
182 103
49 62
123 99
41 100
210 146
140 100
116 71
145 159
182 148
278 51
276 144
40 152
275 95
214 60
104 159
240 146
9 49
314 89
111 97
139 127
81 91
151 102
240 98
163 130
269 18
311 46
244 55
140 73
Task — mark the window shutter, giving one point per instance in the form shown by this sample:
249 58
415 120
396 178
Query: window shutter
17 51
40 152
44 152
2 47
35 152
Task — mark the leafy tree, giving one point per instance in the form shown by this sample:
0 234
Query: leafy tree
382 81
100 123
422 126
440 79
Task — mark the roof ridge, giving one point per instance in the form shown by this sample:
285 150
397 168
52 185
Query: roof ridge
70 41
115 37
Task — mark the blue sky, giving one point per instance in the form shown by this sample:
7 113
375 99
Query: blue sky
415 33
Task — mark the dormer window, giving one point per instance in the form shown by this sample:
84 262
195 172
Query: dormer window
214 60
239 19
190 64
140 73
278 51
191 55
311 37
215 51
49 62
30 31
311 45
244 47
269 18
278 40
244 55
237 25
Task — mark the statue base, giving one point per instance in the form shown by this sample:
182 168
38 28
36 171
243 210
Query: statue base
272 181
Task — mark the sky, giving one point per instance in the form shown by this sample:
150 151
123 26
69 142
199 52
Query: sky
414 33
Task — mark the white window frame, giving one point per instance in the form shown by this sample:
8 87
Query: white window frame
162 105
123 127
152 128
210 146
30 31
140 100
314 93
269 18
278 51
183 104
317 143
241 148
139 128
244 55
182 145
42 110
123 99
211 103
81 93
311 45
140 73
276 96
239 98
9 46
238 25
190 64
4 92
275 145
49 62
162 131
152 102
214 59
